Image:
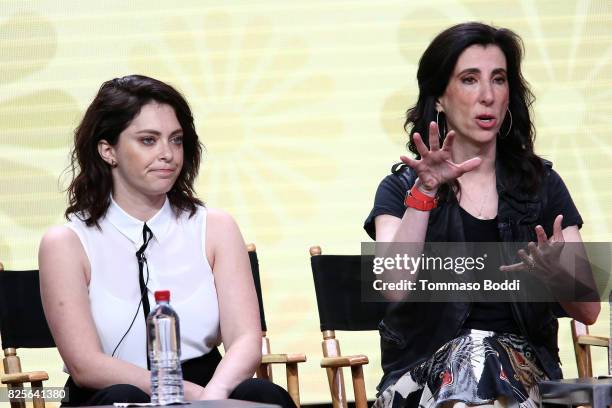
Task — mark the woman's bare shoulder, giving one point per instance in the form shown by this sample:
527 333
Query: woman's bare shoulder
61 247
60 235
222 234
218 215
218 219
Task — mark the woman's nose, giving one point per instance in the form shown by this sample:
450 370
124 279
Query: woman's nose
165 152
486 94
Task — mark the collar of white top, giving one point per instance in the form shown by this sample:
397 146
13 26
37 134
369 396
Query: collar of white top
131 227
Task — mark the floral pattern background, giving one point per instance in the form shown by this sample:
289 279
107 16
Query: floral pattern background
300 106
256 101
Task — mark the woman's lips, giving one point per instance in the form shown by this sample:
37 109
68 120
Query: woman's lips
486 122
163 172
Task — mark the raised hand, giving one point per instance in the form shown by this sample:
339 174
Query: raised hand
544 258
436 166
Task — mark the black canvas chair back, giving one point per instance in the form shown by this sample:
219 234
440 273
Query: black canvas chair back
22 319
337 280
338 287
268 359
22 325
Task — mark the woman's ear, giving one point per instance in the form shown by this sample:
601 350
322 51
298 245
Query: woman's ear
439 107
107 152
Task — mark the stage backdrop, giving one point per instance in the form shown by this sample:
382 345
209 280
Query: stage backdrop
300 106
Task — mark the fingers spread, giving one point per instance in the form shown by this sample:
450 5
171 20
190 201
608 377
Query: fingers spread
470 164
448 141
558 229
535 254
418 142
541 234
410 162
527 260
517 267
434 137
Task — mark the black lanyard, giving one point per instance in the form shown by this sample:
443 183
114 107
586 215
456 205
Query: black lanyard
147 234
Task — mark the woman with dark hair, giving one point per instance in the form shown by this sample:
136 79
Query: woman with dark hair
475 178
136 226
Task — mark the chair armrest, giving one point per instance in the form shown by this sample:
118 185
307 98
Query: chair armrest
20 378
344 361
589 340
283 358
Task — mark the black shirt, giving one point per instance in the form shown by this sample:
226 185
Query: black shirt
490 316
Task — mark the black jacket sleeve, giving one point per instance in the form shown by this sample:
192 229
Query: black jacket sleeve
390 195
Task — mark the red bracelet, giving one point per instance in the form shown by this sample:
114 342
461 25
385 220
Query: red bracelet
420 201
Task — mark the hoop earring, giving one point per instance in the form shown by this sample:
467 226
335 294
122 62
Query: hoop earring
509 128
444 133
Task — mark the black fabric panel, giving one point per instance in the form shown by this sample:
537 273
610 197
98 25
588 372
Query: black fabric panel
337 280
22 319
255 271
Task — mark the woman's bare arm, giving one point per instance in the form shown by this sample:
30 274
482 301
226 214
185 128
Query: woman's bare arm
238 307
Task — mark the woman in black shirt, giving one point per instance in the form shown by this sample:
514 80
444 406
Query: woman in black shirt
475 177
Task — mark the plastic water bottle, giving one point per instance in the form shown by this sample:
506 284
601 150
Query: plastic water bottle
164 344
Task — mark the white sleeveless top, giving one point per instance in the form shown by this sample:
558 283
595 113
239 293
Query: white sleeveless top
176 257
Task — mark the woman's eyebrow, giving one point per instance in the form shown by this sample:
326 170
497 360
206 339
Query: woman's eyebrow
470 71
477 71
157 132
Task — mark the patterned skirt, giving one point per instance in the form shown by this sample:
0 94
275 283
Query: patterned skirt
476 368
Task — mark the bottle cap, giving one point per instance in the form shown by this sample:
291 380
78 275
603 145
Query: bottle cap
162 295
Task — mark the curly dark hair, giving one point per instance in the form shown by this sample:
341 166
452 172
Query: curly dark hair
117 103
514 151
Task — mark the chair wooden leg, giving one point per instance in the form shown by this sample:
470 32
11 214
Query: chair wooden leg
11 362
335 378
581 351
38 402
610 347
17 402
583 361
293 385
361 401
264 372
12 365
336 387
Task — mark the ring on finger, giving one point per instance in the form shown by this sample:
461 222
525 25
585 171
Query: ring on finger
530 264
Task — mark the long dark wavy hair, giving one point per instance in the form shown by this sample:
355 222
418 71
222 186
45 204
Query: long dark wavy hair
523 168
117 103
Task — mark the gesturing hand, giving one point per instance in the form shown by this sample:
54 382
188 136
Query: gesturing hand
543 258
436 167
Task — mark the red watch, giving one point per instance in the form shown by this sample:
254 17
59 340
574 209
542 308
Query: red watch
420 201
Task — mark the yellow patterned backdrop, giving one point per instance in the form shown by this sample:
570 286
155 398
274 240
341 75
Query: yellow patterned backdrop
300 106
